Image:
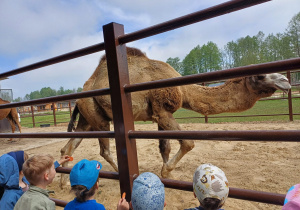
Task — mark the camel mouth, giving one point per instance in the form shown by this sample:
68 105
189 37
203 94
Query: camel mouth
285 87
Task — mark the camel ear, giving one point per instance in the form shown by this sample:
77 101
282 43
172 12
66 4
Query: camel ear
258 77
261 76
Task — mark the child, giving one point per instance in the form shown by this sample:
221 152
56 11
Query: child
210 186
84 182
39 170
148 192
292 198
12 180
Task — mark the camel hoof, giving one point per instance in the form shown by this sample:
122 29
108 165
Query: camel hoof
166 172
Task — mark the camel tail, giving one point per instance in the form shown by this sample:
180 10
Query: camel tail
71 125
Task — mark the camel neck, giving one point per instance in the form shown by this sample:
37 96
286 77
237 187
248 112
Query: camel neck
229 97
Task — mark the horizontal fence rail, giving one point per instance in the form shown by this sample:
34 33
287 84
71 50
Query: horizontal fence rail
271 67
251 195
261 135
264 68
201 15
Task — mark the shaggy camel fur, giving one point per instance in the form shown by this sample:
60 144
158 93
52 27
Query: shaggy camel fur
11 114
158 105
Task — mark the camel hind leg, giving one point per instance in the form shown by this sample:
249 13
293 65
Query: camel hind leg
71 146
105 149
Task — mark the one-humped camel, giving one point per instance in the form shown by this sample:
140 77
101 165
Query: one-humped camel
11 115
158 105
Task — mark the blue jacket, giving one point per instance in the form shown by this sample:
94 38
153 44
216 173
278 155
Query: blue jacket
9 180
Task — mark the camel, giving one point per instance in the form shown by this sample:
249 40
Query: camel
11 115
158 105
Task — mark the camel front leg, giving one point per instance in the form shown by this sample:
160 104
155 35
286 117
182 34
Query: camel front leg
105 152
167 122
72 144
185 147
68 149
164 148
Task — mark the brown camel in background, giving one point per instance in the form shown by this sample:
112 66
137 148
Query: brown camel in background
11 115
158 105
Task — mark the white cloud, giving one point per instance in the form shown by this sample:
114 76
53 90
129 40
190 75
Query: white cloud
30 25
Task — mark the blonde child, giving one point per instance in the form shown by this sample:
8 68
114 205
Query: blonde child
39 170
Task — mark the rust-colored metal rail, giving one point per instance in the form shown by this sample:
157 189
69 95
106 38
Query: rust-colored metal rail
211 12
271 67
253 135
261 135
201 15
251 195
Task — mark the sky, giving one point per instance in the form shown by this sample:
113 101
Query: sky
35 30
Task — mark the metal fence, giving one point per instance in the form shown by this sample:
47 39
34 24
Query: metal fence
125 136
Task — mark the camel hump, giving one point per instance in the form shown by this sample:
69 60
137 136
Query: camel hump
131 51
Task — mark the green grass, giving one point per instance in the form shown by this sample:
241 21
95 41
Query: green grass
260 108
61 117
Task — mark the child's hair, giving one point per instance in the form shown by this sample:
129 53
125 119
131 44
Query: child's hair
148 192
35 166
211 203
210 186
84 177
82 194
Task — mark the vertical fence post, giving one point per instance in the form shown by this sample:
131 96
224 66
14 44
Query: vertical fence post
32 115
117 66
54 114
290 97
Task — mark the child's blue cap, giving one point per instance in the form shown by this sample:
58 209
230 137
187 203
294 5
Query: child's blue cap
85 173
19 157
148 192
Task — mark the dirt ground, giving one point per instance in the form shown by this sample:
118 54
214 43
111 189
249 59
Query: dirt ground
262 166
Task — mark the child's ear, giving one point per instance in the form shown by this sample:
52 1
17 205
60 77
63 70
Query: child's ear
46 176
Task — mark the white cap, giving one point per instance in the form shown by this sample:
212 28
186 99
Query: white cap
210 182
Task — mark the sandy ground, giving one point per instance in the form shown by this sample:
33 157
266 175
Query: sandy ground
262 166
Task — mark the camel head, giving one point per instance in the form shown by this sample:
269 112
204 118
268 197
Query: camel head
266 84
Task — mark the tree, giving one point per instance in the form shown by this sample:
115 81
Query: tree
191 64
175 63
211 57
47 92
293 31
19 99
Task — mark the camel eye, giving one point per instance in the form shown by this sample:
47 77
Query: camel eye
260 77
